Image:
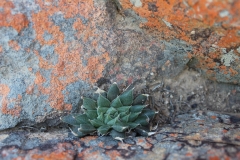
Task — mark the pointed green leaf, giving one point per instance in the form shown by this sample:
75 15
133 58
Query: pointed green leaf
96 123
133 125
75 132
91 114
149 113
137 108
102 110
124 109
123 114
107 118
140 99
125 118
116 103
143 131
103 129
133 116
104 94
103 102
113 121
81 118
113 92
117 135
115 114
100 117
120 128
111 111
86 128
100 91
127 97
69 119
89 103
143 120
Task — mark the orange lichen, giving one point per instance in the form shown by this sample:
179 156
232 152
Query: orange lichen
69 68
214 158
89 154
64 152
30 89
123 145
188 154
230 38
88 139
145 144
14 45
1 49
4 90
52 156
17 21
233 72
39 78
173 134
16 110
224 131
181 19
213 117
113 154
200 121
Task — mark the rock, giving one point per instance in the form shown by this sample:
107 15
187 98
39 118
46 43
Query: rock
194 135
54 52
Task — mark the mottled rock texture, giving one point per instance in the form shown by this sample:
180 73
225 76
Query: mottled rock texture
196 135
53 52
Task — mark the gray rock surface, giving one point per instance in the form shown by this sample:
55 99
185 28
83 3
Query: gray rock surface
194 135
52 53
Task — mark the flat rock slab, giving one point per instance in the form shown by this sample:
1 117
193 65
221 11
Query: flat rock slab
53 52
194 135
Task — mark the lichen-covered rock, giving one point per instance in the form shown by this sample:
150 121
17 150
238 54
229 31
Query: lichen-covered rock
212 28
53 52
196 135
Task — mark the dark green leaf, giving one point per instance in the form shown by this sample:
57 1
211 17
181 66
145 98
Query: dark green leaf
133 125
103 102
81 118
69 119
107 118
116 103
111 111
75 132
133 116
100 117
140 99
103 129
117 135
91 114
137 108
127 97
119 127
148 112
100 91
86 128
123 114
102 110
115 114
143 131
143 120
125 118
96 123
89 103
124 109
113 92
113 121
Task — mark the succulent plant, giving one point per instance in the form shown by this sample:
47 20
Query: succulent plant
112 113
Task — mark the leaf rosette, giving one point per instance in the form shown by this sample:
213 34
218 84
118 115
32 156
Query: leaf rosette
112 114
